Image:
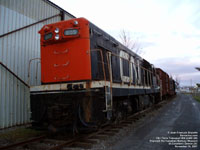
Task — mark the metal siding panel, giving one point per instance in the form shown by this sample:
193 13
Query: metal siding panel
14 100
17 104
18 17
1 49
67 17
11 100
2 14
7 51
12 51
11 9
26 50
40 10
1 99
16 50
6 20
9 18
4 98
14 18
7 100
22 104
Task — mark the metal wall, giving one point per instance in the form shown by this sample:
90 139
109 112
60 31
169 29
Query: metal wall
19 44
14 102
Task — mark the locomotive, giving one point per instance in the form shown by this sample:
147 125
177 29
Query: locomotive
89 78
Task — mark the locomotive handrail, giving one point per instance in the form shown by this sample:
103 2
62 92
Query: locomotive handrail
29 67
109 68
148 71
103 67
16 76
132 62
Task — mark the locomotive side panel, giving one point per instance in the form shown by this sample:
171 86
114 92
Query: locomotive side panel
116 69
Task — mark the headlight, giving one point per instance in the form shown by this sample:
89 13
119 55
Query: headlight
75 22
57 36
48 36
56 30
71 32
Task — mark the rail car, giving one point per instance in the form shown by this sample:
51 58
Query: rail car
164 79
172 87
167 86
88 77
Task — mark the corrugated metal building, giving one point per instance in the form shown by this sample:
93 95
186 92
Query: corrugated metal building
20 52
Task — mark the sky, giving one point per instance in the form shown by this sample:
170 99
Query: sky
166 31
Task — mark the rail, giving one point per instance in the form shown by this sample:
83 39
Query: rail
22 143
16 76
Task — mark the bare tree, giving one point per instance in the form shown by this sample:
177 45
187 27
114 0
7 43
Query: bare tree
177 80
198 68
127 41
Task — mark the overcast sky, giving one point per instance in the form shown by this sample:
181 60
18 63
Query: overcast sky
168 31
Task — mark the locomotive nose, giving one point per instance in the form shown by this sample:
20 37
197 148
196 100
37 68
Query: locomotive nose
65 51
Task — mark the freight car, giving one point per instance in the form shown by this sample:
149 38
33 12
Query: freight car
167 86
172 87
88 77
164 79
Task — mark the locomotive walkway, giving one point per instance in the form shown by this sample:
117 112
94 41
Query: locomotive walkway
176 127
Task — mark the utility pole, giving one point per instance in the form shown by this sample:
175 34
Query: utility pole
198 84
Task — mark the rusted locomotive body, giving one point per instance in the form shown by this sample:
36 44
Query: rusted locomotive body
88 77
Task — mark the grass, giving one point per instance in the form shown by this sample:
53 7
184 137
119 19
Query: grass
197 98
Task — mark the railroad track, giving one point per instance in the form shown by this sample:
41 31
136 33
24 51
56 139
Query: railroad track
32 140
84 141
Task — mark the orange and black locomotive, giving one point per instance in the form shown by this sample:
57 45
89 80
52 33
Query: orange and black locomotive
88 77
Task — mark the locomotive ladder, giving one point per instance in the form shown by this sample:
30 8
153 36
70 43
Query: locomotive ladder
107 88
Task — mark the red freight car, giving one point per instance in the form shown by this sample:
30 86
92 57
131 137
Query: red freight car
164 83
172 87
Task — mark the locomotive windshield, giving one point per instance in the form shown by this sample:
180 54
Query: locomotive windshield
71 32
48 36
